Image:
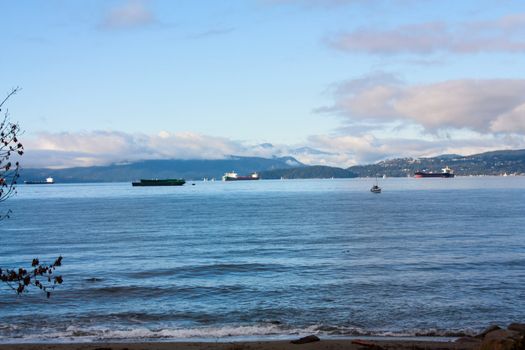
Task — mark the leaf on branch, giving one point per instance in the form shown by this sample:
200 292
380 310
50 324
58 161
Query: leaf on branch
22 278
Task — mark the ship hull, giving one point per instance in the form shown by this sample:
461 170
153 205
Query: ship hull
424 175
240 178
38 183
165 182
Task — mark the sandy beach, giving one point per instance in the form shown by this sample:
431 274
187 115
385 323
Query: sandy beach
255 345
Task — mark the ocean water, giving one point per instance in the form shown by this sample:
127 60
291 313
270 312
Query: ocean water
267 259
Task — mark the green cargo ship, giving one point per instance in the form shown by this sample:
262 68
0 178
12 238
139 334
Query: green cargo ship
159 182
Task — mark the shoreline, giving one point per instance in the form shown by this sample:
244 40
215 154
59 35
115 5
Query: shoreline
323 344
230 339
493 337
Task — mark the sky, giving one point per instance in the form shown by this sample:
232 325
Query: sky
331 82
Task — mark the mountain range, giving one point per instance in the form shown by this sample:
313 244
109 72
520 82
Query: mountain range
308 172
489 163
191 169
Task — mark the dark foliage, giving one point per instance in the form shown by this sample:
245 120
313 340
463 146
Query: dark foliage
40 276
9 146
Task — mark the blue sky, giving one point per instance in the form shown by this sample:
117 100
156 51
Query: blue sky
359 81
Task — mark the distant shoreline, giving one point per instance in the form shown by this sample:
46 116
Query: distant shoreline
272 179
498 163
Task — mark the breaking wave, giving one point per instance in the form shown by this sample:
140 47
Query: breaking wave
242 332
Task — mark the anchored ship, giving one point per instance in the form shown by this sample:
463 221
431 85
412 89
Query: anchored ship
233 176
445 172
47 181
161 182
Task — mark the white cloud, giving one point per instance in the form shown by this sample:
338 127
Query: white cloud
68 149
131 14
60 150
366 149
510 122
504 34
102 147
386 118
492 105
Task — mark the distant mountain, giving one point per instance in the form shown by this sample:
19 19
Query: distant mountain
488 163
449 156
309 150
308 172
192 169
266 145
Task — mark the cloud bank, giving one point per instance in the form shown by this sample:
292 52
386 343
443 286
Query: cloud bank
484 106
504 34
131 14
68 149
60 150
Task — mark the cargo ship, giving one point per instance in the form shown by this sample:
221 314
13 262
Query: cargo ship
159 182
233 176
47 181
446 172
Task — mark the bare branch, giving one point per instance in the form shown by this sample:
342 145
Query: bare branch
40 276
14 91
9 146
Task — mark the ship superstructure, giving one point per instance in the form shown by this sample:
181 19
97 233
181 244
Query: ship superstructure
233 176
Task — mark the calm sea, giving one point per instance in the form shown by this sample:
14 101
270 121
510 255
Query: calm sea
267 259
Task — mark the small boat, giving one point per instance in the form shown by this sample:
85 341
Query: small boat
159 182
376 188
47 181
